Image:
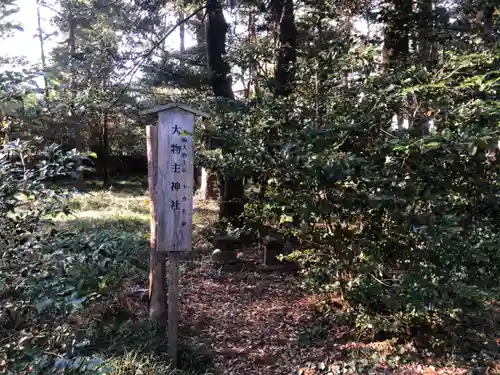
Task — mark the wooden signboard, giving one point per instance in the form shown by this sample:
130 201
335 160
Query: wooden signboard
175 180
175 164
171 159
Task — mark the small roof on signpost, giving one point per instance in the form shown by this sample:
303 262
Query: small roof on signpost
165 107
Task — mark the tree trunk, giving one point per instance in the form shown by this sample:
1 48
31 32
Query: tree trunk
253 88
157 267
182 37
74 121
105 147
216 48
397 34
201 35
231 187
321 72
42 50
425 31
4 128
284 74
208 179
285 32
483 22
208 184
397 42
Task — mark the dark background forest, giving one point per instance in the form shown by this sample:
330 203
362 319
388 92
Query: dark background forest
371 127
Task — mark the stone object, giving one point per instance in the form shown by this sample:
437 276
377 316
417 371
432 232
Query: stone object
227 243
203 248
221 258
208 184
274 247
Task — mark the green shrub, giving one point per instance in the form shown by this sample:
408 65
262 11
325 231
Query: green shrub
25 197
402 223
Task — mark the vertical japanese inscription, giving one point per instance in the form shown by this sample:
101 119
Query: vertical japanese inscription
176 146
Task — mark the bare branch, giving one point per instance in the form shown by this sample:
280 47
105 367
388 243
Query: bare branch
131 73
147 54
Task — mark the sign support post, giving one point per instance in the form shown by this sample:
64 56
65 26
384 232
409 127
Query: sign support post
173 199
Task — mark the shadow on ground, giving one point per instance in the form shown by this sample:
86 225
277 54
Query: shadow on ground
117 323
125 329
122 184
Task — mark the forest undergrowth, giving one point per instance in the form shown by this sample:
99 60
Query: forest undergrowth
77 304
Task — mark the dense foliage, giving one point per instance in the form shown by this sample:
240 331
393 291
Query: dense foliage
26 198
389 169
50 273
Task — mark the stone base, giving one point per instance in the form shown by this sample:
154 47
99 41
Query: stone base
221 258
288 267
227 243
274 248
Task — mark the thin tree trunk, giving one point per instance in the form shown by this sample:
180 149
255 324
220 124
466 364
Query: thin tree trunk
182 35
231 187
253 82
105 147
75 122
201 36
42 50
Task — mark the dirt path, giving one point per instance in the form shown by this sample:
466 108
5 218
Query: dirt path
259 323
263 323
249 320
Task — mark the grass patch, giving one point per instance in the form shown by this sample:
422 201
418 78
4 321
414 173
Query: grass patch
111 200
140 345
72 302
93 221
137 363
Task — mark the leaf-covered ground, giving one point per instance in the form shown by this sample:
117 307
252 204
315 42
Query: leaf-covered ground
253 322
237 320
262 323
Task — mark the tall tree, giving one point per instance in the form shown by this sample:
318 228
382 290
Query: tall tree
41 40
101 47
231 187
7 28
425 17
283 15
397 32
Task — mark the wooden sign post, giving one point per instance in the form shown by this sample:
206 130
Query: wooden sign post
171 190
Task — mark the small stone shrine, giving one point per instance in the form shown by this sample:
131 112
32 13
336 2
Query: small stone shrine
226 250
278 244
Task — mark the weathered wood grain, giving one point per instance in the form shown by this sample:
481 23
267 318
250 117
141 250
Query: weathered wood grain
173 306
157 267
175 180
